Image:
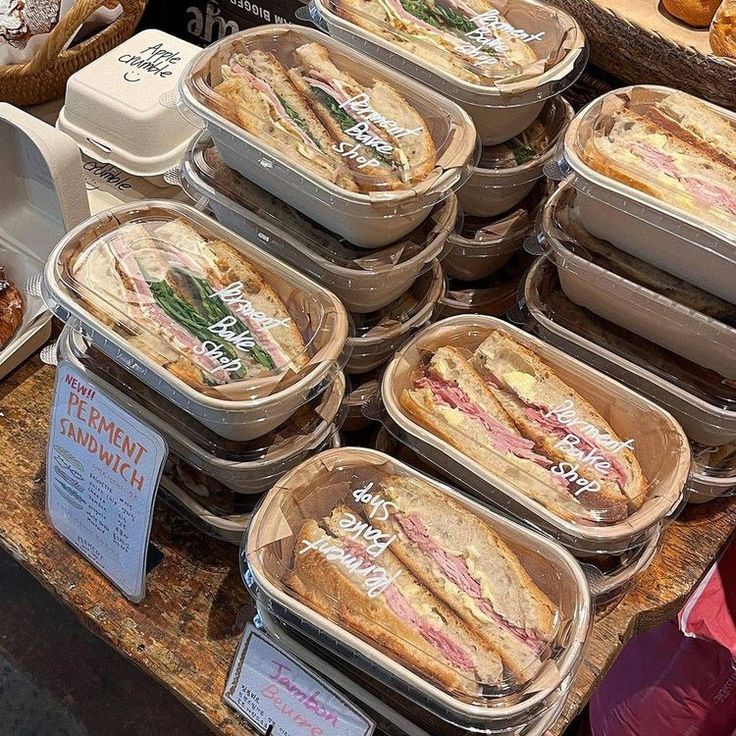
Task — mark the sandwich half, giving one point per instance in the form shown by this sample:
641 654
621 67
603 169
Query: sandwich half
378 133
333 571
562 423
463 561
163 286
453 402
266 104
453 35
677 151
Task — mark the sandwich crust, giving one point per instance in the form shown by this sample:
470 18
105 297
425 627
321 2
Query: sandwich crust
723 29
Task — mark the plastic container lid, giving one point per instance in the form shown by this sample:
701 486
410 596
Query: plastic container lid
367 135
221 328
116 108
521 158
364 279
205 459
674 173
701 400
540 434
634 294
336 544
480 54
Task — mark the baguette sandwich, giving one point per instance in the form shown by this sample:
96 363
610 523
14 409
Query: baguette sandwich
374 125
333 566
161 286
468 39
464 562
560 422
266 104
676 149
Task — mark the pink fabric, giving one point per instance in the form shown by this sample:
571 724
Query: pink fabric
679 679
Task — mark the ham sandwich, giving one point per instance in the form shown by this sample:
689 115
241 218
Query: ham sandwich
362 138
677 149
507 410
450 599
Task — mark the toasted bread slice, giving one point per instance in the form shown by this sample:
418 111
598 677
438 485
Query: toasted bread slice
530 392
462 560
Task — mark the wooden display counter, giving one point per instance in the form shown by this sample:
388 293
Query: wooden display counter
185 632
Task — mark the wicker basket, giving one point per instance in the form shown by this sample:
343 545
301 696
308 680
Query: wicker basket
44 77
643 55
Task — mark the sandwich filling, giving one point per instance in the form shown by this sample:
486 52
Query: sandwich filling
501 439
450 649
456 569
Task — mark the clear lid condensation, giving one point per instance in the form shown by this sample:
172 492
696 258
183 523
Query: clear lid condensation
311 248
547 302
405 571
539 433
221 321
203 449
670 149
661 307
335 114
512 46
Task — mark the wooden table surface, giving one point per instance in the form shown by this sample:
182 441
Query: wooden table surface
185 632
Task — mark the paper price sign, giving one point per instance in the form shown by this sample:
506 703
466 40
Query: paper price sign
281 697
102 471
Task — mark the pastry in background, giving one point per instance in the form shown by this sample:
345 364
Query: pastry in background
723 30
11 309
697 13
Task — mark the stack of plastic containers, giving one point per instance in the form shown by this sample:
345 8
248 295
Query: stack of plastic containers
612 539
233 356
399 636
506 67
373 232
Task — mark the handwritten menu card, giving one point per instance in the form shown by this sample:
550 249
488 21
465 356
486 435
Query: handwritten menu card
102 472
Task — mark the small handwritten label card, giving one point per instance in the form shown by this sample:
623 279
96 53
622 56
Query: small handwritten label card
102 472
278 695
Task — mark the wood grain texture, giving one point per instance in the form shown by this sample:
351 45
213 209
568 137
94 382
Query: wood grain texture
185 632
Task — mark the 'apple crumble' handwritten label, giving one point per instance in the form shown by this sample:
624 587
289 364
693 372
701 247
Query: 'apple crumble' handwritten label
272 690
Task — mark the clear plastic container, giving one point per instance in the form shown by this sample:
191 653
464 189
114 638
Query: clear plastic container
635 295
198 457
394 715
702 401
499 62
653 186
366 388
585 460
508 171
348 589
714 472
225 331
379 334
368 158
217 513
493 295
364 280
482 246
